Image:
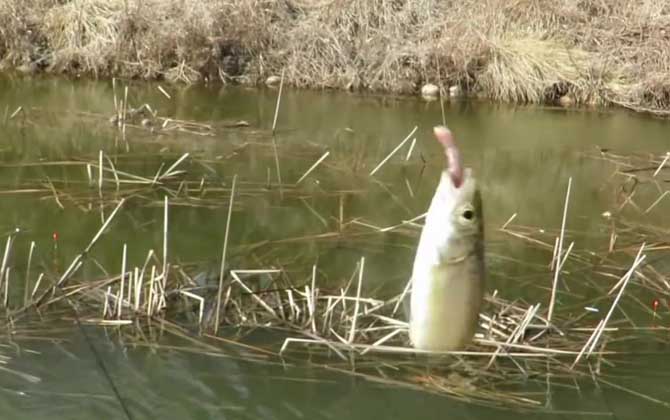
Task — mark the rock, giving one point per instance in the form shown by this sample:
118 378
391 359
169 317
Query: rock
273 81
455 91
430 91
566 101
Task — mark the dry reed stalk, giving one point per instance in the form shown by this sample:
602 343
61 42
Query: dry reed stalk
401 298
119 301
5 257
16 112
114 173
276 154
165 239
6 291
658 200
151 298
223 256
37 285
105 306
171 170
137 284
100 174
559 254
77 261
665 159
352 331
201 303
313 298
311 168
390 155
26 293
124 108
276 115
593 339
411 149
236 278
164 92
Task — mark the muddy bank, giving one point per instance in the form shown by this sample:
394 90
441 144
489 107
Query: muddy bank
530 51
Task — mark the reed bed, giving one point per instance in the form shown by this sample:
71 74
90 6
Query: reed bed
339 328
585 321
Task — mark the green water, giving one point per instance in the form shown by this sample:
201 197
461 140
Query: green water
523 156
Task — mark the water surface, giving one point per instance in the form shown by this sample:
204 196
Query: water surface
523 156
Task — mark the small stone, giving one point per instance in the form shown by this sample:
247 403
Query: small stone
455 91
273 81
430 91
566 101
146 122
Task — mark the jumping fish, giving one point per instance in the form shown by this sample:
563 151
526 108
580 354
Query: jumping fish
448 276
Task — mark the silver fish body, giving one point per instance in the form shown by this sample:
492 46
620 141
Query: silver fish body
448 275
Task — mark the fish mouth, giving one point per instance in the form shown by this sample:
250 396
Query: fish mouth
454 165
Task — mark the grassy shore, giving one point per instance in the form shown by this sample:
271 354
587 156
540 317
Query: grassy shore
586 52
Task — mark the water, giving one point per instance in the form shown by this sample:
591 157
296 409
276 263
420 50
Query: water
523 156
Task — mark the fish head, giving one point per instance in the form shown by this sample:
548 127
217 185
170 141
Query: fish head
454 223
460 206
457 197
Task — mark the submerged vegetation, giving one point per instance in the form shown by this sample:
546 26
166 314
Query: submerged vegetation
539 51
577 332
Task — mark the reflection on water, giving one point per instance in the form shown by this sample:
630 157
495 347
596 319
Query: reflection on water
523 157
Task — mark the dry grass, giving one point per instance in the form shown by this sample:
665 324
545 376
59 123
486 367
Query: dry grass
536 51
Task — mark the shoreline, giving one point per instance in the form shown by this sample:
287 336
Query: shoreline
582 55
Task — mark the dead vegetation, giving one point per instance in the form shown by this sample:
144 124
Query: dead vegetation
535 51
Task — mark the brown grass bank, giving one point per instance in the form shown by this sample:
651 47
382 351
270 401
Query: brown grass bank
596 52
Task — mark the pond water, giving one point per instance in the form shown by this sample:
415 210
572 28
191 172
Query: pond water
523 156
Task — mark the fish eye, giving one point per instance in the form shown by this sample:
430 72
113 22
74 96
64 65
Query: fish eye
468 214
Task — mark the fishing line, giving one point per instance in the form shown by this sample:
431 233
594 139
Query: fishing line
96 355
94 351
99 362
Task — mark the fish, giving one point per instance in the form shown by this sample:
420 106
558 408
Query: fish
449 272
